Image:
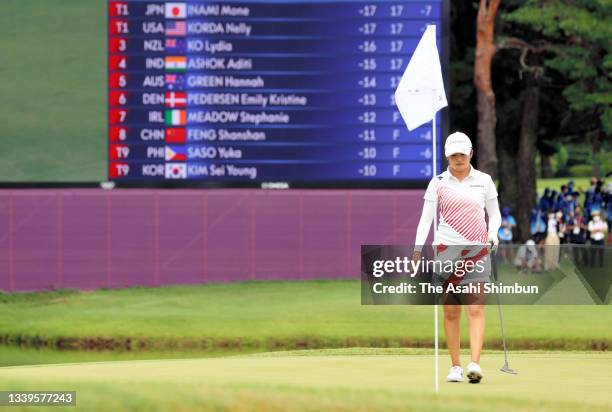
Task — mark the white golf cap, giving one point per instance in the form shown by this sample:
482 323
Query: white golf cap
457 143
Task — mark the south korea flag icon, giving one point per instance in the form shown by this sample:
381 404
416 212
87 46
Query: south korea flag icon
176 171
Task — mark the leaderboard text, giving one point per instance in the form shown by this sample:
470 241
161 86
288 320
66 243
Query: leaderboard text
263 91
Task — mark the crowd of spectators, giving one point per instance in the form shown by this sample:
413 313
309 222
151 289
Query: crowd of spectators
567 216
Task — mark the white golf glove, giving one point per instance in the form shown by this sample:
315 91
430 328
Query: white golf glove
493 241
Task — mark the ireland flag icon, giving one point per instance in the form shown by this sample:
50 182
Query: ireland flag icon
176 117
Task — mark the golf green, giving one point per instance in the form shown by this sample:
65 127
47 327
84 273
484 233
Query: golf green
345 379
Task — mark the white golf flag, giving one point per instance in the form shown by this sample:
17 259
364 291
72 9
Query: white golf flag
420 93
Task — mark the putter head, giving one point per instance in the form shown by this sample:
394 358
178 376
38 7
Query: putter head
508 369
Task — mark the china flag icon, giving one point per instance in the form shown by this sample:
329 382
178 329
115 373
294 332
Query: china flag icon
176 135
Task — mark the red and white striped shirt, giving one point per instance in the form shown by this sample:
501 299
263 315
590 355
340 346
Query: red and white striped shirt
461 206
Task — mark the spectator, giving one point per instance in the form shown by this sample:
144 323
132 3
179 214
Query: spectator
577 231
608 201
527 259
543 205
588 201
508 223
551 248
597 229
593 182
538 226
560 205
568 205
505 234
572 201
564 190
561 227
597 201
553 199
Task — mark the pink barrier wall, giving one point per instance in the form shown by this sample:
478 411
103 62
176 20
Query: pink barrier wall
92 238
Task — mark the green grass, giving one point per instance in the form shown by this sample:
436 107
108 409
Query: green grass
19 356
361 380
279 314
53 82
580 183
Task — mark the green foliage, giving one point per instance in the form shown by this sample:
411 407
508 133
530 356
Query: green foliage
581 171
575 20
579 155
578 160
462 84
559 161
605 160
579 33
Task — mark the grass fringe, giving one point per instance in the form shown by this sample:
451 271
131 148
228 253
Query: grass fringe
106 343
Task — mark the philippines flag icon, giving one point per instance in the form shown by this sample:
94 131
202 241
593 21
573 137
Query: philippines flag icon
176 171
176 99
176 154
176 28
175 46
176 10
175 81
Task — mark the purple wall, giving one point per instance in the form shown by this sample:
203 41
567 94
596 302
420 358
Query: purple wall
88 238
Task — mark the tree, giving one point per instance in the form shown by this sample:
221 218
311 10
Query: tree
578 33
485 106
462 97
520 175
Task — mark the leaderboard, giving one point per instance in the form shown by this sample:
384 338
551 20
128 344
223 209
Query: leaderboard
264 91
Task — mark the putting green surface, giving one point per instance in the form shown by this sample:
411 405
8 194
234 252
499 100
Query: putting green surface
351 379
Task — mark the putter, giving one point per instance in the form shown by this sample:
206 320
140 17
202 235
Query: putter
505 368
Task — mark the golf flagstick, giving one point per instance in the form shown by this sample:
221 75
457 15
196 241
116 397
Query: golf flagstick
423 76
435 228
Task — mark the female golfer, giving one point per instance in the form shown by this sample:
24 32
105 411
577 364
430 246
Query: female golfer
462 194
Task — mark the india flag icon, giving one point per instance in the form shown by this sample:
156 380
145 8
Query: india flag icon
176 63
176 117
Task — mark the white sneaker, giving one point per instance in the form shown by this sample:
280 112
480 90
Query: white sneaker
455 374
474 373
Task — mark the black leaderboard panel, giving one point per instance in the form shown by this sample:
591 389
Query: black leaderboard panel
243 93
